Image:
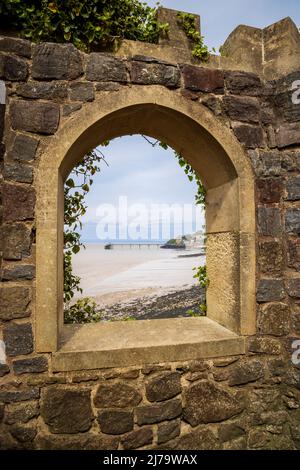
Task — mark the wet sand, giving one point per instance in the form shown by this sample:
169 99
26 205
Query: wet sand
111 276
140 284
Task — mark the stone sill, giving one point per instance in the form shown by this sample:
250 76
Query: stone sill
136 343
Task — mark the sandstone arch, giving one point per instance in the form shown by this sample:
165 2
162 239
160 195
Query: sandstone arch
213 151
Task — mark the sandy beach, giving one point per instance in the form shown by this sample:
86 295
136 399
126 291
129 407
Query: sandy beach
131 279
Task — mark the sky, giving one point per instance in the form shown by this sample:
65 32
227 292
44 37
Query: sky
220 17
148 185
147 175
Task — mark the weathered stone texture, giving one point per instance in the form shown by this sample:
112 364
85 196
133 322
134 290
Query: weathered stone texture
265 345
293 188
230 431
266 163
21 412
270 258
1 412
292 221
18 202
14 68
200 439
108 86
197 365
43 90
249 135
18 172
28 366
18 339
115 421
149 414
260 438
290 160
102 67
274 319
138 438
269 221
18 395
220 375
224 362
202 79
245 372
293 287
270 190
168 431
2 122
288 134
270 290
116 395
18 272
71 108
239 443
285 107
4 369
148 369
293 253
84 441
155 74
16 241
56 61
82 91
23 433
244 109
163 387
243 83
14 302
42 118
24 148
206 402
21 47
277 367
295 320
213 103
66 410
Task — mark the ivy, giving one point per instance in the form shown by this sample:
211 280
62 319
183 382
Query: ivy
82 311
75 190
188 24
192 176
88 24
201 275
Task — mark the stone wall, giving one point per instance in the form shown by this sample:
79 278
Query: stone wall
247 402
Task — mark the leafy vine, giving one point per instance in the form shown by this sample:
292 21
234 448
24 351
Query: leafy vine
75 190
85 23
188 24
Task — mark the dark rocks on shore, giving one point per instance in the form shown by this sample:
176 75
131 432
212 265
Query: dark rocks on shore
171 305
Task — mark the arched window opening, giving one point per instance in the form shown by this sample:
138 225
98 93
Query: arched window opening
213 152
134 235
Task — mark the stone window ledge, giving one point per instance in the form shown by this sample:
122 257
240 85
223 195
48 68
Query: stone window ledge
119 344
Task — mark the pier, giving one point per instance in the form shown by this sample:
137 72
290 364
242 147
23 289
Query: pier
132 246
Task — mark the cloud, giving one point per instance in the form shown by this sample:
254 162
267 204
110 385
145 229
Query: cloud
143 174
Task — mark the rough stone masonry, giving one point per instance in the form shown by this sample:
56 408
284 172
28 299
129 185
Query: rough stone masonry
239 402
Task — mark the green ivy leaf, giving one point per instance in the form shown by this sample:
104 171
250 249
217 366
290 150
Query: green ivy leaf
70 183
